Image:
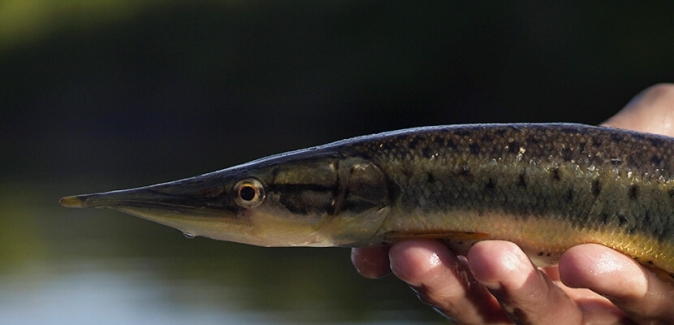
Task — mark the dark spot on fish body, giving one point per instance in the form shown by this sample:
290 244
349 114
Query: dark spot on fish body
522 182
474 148
392 189
413 143
430 177
616 137
450 144
409 173
532 139
581 146
567 154
427 152
634 192
656 160
514 147
596 188
518 210
491 185
555 174
487 138
657 142
569 196
624 222
464 171
647 222
664 234
442 142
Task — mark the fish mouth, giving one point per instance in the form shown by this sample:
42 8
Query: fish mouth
138 198
192 196
197 207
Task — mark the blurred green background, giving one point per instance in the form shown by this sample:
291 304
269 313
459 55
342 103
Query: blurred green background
98 95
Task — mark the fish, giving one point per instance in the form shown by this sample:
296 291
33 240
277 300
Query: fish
546 187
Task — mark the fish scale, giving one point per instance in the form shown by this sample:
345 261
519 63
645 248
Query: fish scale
541 172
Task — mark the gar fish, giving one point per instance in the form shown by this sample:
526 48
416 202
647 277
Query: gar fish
545 187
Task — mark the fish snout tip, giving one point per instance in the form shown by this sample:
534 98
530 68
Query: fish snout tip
71 202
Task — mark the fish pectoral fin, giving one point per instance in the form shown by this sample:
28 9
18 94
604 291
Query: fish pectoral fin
454 236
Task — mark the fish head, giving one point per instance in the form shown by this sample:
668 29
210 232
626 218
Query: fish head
300 200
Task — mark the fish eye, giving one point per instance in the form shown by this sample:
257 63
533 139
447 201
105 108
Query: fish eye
249 193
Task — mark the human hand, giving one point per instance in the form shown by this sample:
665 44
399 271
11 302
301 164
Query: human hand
496 283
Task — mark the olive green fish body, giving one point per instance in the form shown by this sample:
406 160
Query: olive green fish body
546 187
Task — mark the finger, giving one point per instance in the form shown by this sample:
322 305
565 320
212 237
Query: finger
640 294
596 309
651 111
371 262
441 280
525 294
